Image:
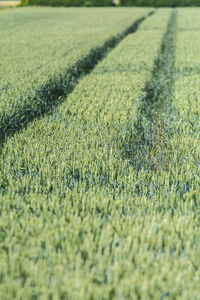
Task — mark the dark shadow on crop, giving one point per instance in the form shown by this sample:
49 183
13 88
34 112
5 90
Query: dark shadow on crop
48 96
147 143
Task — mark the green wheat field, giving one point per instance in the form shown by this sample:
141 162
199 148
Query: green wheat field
99 153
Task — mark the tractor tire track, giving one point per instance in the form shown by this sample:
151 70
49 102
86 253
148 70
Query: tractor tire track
148 144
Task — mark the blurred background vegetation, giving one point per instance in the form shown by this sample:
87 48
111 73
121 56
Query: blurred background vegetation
149 3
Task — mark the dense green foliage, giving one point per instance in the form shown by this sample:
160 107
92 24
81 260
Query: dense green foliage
144 3
101 199
43 42
71 2
160 3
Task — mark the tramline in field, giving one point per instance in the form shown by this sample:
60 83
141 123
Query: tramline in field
100 198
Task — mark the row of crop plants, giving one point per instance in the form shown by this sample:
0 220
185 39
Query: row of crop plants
78 221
